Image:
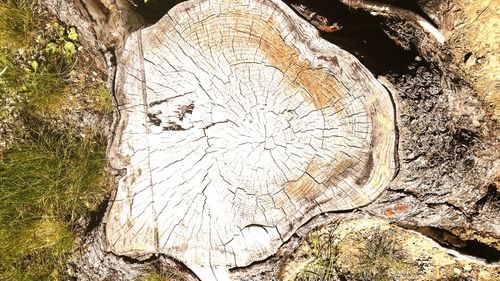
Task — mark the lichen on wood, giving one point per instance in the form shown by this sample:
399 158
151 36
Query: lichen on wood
237 125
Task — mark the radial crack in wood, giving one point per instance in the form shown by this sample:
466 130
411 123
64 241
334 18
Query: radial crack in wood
237 125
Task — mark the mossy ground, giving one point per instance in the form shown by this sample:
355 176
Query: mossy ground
373 249
52 160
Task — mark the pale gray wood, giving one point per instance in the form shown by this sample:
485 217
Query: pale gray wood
238 124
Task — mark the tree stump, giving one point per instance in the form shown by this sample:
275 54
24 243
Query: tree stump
238 124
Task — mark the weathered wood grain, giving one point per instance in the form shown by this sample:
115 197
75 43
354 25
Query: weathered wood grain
237 125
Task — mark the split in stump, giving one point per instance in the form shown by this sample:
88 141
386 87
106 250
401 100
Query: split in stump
237 125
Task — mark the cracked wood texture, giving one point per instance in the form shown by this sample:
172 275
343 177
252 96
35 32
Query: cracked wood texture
238 124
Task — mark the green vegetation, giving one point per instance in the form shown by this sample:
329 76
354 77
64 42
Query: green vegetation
17 23
35 68
380 258
52 171
324 252
47 184
374 255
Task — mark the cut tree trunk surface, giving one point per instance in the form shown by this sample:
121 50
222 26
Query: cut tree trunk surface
238 124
